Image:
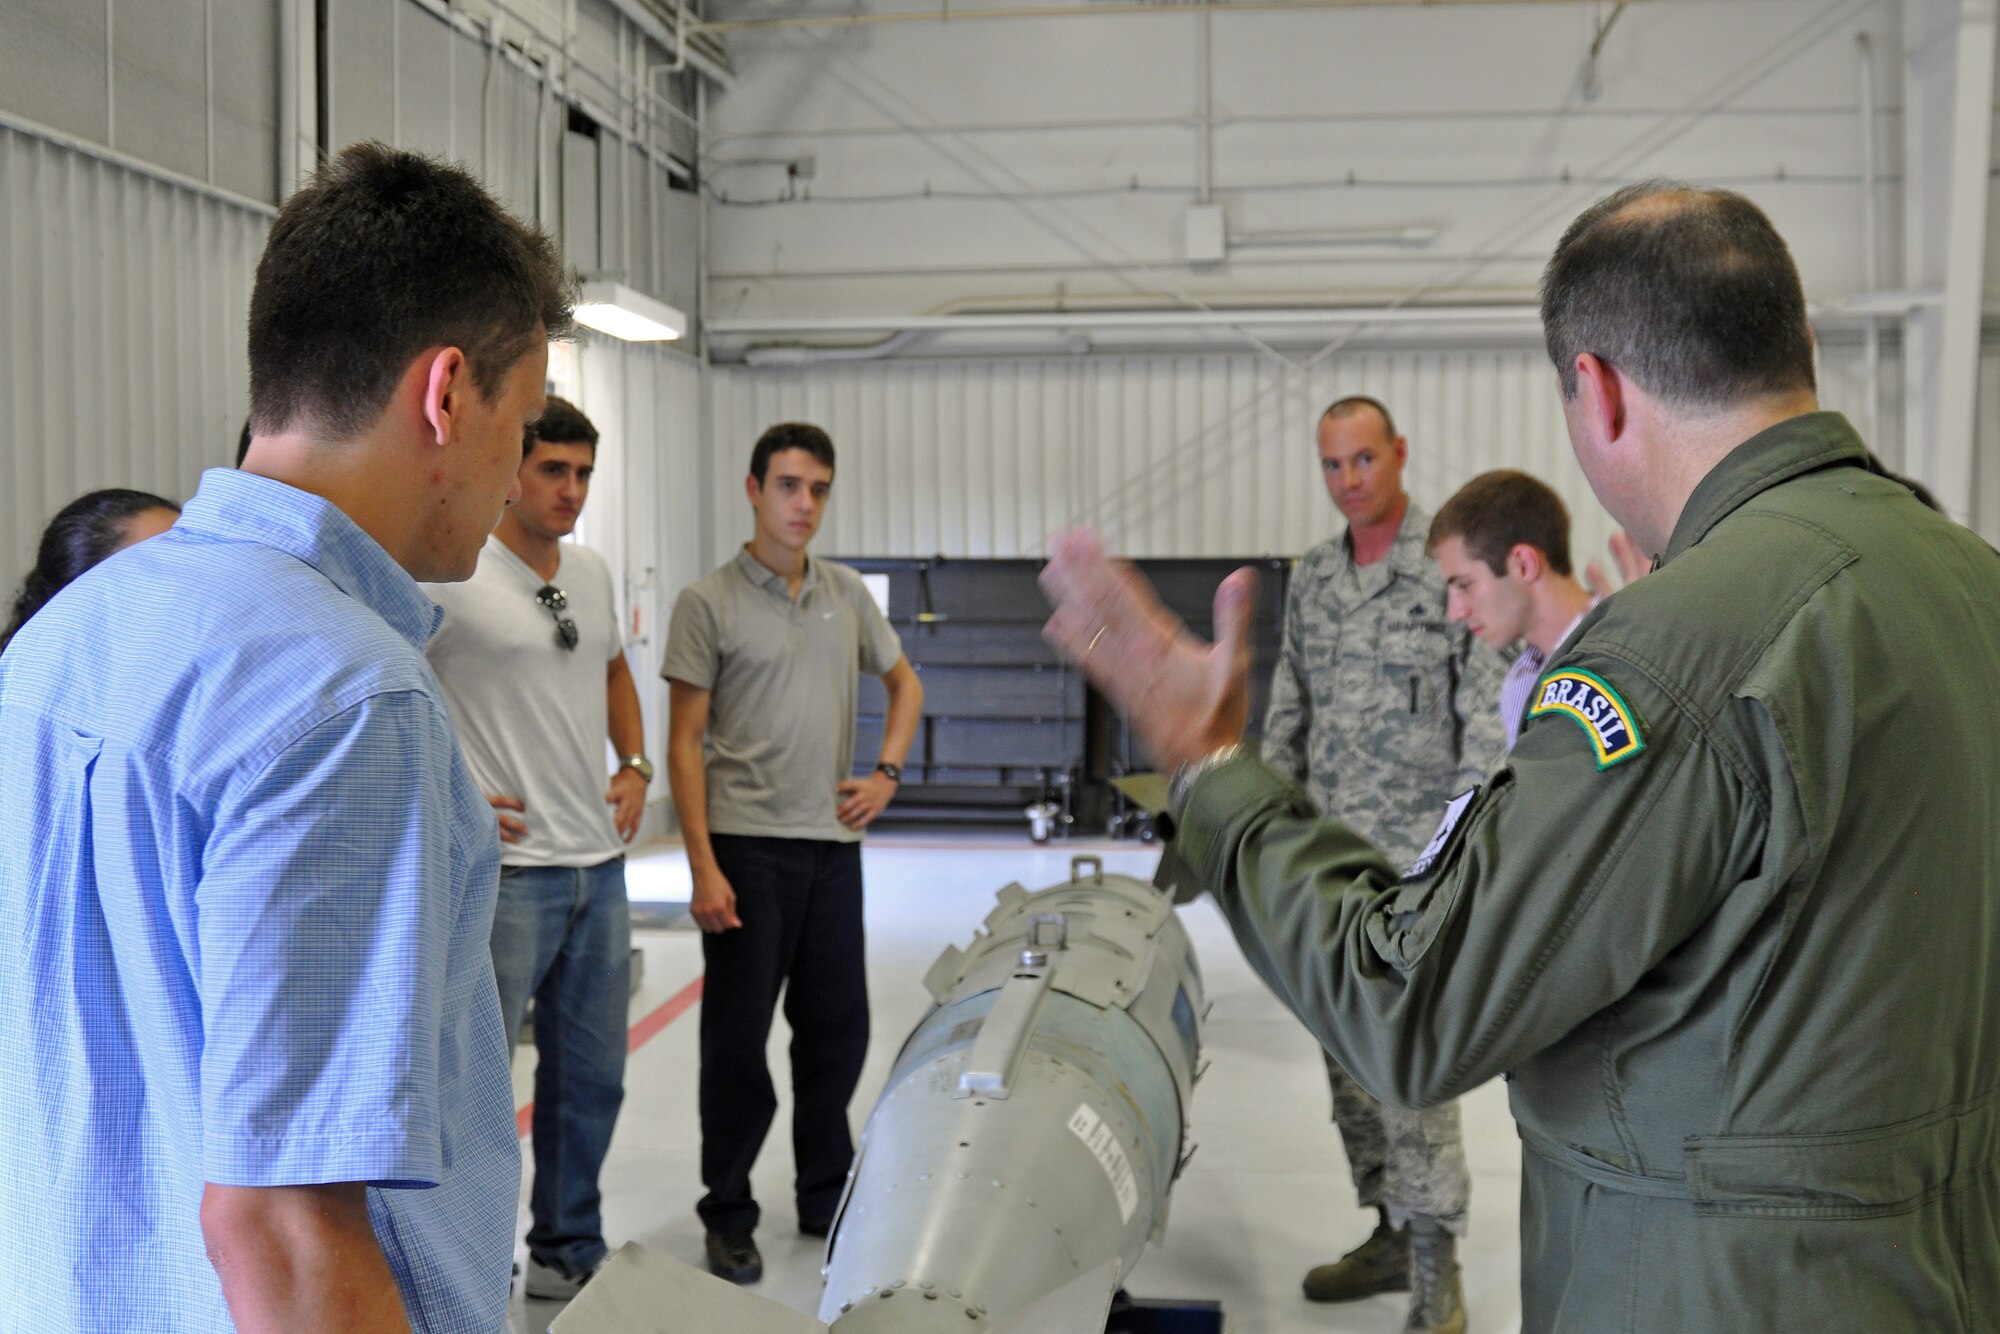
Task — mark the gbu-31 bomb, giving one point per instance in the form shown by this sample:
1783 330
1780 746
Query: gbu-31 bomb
1023 1150
1035 1120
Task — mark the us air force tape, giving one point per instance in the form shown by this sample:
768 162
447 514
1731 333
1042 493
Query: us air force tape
1596 708
1447 833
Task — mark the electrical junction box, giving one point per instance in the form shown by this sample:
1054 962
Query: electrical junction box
1206 234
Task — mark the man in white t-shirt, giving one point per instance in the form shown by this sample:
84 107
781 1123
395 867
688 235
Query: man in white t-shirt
533 666
1502 544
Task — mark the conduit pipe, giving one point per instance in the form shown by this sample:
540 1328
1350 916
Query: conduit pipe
1124 319
904 330
288 97
1206 145
1871 357
649 23
948 14
1260 299
768 356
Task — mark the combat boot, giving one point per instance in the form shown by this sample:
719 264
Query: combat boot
1379 1264
1437 1301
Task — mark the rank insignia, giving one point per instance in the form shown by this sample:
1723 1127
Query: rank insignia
1597 709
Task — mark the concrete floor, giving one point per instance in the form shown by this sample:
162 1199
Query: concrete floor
1265 1197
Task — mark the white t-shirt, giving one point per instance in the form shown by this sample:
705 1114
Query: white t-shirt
532 715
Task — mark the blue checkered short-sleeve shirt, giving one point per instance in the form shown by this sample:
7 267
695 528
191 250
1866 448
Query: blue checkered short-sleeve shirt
246 892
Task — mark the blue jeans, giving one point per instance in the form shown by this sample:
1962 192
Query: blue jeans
563 935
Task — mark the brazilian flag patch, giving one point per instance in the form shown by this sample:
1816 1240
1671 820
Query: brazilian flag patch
1597 709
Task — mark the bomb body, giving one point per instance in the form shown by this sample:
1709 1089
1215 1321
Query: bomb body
1035 1120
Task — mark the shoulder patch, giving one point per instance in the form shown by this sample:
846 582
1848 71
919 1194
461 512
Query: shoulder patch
1441 841
1597 709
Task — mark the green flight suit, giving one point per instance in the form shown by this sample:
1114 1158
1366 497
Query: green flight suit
1744 973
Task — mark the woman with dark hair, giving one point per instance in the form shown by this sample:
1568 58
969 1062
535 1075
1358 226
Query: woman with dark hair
83 533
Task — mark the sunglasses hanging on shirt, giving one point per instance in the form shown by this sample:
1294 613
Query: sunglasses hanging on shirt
558 602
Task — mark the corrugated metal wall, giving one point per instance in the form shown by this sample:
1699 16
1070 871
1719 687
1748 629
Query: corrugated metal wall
398 73
121 356
1175 456
644 515
1169 456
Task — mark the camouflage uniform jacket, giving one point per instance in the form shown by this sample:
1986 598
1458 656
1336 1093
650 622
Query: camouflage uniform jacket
1380 707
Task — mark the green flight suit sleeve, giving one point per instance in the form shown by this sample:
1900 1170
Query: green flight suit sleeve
1564 885
1288 717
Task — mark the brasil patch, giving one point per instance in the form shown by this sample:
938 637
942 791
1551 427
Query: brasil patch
1597 709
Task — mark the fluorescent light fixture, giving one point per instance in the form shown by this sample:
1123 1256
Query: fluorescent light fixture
616 309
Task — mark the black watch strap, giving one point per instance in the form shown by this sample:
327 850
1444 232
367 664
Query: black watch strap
895 772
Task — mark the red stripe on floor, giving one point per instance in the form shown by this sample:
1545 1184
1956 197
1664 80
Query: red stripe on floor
648 1028
669 1010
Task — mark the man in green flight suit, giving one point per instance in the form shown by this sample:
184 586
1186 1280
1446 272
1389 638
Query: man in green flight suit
1728 916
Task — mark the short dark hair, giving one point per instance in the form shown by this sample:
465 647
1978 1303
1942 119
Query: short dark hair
562 423
789 435
81 535
243 442
1353 403
385 253
1497 511
1690 292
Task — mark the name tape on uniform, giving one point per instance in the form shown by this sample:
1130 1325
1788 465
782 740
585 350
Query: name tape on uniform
1596 708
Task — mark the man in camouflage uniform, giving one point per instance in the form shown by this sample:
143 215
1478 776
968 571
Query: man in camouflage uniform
1382 710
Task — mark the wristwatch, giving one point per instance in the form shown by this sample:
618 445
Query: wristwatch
641 763
895 772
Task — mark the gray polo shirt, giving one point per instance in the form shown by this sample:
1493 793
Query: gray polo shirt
781 678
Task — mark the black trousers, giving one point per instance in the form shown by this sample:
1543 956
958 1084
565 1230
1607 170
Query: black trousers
800 902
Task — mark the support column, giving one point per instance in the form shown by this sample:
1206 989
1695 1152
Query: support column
1948 133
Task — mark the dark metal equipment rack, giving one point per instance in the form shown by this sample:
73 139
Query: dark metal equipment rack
1007 724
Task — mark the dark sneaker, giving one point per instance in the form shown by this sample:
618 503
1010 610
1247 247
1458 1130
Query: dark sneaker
733 1256
815 1227
1379 1264
1437 1301
552 1283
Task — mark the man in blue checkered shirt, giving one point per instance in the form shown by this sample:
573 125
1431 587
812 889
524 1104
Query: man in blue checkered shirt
255 1071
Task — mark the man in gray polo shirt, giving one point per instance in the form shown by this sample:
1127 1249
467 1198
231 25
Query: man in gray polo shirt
762 663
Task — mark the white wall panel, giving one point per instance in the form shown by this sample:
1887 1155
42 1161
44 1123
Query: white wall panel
1181 455
1055 158
121 359
645 509
399 73
188 85
1169 456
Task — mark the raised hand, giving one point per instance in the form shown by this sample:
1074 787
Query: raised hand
1184 697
